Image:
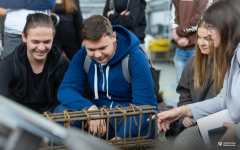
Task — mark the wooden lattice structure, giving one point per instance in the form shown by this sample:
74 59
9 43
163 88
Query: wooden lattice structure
139 142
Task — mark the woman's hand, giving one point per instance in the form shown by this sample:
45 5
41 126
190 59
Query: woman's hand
230 135
109 13
187 122
165 118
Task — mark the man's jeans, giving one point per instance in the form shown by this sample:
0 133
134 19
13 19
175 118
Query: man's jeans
180 59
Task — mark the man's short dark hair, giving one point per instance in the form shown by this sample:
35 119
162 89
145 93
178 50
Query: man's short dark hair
38 20
95 27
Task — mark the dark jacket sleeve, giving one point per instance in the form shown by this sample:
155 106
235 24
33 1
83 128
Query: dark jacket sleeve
28 4
184 84
78 10
183 87
129 21
6 77
63 69
74 84
106 8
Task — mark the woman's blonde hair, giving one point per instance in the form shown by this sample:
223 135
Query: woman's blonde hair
201 69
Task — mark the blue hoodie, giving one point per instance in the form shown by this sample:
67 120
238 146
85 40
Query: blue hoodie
108 83
28 4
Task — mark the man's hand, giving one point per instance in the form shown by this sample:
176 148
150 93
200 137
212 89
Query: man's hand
187 122
183 41
116 138
126 13
174 35
95 124
230 135
109 13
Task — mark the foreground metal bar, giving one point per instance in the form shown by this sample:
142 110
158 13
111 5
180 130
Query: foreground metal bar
139 142
24 129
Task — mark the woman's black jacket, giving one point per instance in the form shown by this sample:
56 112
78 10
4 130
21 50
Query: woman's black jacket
135 21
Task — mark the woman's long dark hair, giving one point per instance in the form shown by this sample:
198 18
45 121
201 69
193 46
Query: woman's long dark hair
224 15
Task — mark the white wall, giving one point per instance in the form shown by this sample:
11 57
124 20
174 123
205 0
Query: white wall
161 17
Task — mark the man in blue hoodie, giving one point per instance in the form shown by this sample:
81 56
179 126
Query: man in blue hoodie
106 46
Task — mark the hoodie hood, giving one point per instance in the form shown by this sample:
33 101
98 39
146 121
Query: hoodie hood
54 55
127 43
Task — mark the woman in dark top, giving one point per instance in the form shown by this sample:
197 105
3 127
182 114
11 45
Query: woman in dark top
198 81
129 14
68 31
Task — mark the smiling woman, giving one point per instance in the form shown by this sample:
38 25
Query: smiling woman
198 81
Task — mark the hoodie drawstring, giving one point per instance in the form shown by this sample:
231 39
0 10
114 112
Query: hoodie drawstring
95 83
107 73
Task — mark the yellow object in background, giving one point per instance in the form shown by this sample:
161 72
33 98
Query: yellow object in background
159 45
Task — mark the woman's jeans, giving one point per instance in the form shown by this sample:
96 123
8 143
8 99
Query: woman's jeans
180 59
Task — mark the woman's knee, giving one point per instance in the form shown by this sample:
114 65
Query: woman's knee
189 138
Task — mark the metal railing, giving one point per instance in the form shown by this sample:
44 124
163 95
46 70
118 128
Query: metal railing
84 117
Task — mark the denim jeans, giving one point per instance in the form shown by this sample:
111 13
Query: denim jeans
180 59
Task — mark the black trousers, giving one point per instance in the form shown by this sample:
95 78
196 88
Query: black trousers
66 38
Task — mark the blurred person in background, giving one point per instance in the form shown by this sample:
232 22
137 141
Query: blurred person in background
129 14
2 17
185 17
15 19
68 31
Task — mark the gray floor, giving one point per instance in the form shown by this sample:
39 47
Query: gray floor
168 82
